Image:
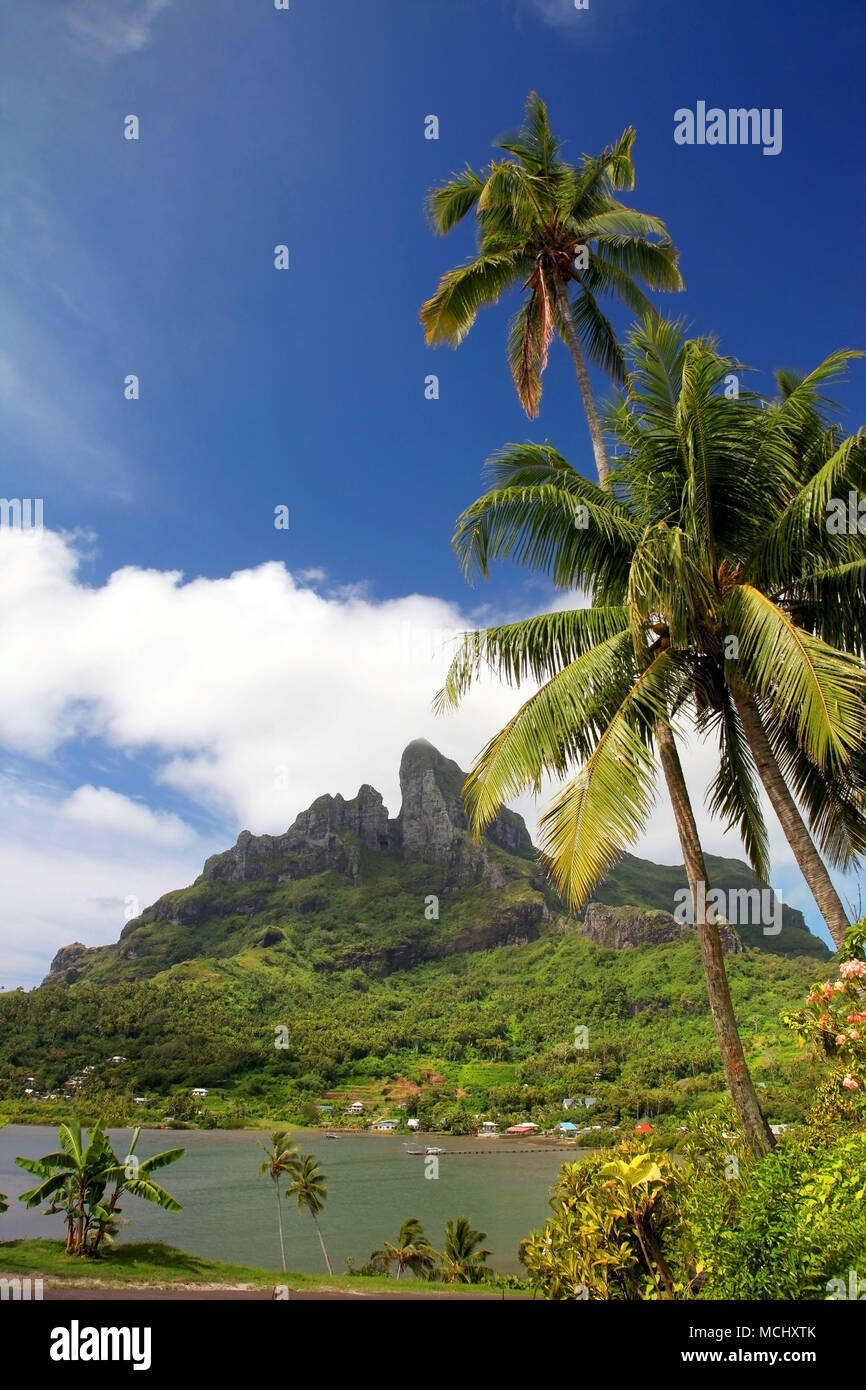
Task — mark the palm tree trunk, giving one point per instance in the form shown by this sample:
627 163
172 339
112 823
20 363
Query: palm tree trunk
280 1224
796 831
737 1076
599 450
322 1243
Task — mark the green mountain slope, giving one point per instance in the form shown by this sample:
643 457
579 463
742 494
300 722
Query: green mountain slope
358 951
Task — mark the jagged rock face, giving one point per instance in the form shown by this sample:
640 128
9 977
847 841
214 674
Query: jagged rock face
313 843
623 927
432 824
431 827
66 965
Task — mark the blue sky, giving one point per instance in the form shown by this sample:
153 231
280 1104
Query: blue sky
306 387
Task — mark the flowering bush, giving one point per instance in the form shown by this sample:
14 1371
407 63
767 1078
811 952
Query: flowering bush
833 1021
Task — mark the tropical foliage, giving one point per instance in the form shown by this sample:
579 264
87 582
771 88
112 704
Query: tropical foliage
308 1188
281 1161
85 1180
559 233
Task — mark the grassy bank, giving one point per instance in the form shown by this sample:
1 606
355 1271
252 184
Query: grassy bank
156 1266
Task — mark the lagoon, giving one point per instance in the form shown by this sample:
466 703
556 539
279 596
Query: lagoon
229 1211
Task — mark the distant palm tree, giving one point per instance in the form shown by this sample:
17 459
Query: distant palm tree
413 1250
279 1163
546 226
463 1262
308 1186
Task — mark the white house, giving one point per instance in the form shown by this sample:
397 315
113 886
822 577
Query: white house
356 1108
115 1060
387 1125
199 1093
413 1123
139 1100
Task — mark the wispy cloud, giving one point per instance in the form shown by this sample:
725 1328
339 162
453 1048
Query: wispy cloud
106 29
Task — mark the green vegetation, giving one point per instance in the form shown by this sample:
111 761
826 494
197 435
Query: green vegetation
86 1180
152 1265
308 1189
487 1033
716 1222
280 1163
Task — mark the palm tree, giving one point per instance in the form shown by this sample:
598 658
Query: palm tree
463 1262
76 1177
664 597
279 1162
545 226
604 703
308 1186
412 1251
752 590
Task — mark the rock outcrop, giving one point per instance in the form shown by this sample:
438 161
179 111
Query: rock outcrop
67 965
326 836
622 927
431 827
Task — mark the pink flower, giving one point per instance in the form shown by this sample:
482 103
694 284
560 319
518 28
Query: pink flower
857 1018
828 991
840 984
841 1040
853 970
850 1084
852 1033
810 998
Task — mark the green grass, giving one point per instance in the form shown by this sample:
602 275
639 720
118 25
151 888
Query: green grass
162 1266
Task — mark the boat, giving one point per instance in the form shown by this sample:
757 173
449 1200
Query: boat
432 1150
414 1149
331 1135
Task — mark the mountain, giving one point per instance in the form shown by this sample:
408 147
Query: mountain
342 860
396 957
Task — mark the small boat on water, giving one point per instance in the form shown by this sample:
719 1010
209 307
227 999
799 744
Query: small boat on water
431 1150
331 1135
414 1149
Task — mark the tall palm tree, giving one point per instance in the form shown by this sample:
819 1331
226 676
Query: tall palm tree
463 1262
281 1157
659 555
752 589
549 228
308 1186
412 1250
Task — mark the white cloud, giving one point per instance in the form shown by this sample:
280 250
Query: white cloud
107 29
100 808
250 695
67 878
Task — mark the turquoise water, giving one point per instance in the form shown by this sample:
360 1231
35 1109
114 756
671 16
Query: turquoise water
229 1212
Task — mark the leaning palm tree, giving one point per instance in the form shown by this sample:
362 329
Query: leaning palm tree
412 1250
308 1186
463 1262
753 591
559 233
281 1157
